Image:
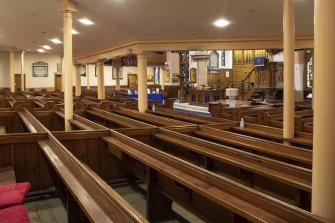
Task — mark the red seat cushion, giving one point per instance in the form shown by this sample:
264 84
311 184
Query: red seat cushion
15 214
13 194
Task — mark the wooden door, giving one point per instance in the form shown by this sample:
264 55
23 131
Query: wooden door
58 82
17 82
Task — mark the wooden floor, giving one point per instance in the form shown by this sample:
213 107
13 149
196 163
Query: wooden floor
47 211
135 195
53 211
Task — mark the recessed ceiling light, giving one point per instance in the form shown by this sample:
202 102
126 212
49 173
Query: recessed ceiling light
86 22
46 47
74 31
41 50
55 40
308 51
221 23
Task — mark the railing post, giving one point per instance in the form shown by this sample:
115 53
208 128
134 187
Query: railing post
242 89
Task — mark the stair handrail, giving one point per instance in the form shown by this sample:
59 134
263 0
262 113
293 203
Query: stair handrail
243 81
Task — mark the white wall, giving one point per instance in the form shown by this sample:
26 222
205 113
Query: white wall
4 70
108 75
29 59
279 57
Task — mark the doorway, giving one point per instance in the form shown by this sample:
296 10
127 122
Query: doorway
18 82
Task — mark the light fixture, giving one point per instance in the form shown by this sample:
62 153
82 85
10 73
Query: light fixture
74 31
41 50
55 40
46 47
221 23
86 22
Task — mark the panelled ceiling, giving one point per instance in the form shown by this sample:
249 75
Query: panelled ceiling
29 24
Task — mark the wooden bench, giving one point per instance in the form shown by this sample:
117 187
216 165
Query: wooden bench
183 116
79 122
118 120
275 134
7 176
149 118
31 123
291 153
207 192
45 105
95 199
221 159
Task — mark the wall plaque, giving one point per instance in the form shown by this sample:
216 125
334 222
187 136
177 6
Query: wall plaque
40 69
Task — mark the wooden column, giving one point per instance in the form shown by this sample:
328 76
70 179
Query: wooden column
78 79
323 180
289 37
101 81
11 69
68 9
142 82
22 71
117 74
88 76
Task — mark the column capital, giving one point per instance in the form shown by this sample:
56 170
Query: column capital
142 55
100 61
116 62
67 6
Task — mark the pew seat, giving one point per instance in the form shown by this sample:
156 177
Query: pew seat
15 214
2 130
7 176
13 194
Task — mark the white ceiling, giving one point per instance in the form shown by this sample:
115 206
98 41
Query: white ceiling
121 21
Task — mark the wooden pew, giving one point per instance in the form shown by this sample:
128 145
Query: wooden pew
183 116
270 133
223 160
206 193
89 197
79 122
31 123
149 118
45 105
264 147
117 120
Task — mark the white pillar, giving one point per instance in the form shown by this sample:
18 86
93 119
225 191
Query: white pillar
63 75
78 79
161 78
11 69
101 81
323 180
289 36
88 76
299 63
68 64
22 71
142 62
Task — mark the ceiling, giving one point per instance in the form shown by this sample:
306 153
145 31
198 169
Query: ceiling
122 21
